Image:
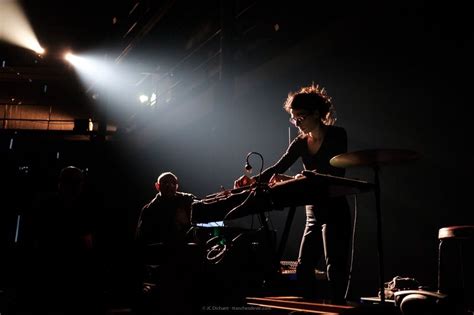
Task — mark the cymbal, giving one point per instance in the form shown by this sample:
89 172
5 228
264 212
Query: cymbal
373 157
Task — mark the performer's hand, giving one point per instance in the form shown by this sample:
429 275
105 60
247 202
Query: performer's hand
276 178
223 192
243 180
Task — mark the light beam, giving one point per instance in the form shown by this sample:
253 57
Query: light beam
15 27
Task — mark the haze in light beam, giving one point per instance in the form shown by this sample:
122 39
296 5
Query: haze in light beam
15 28
93 69
114 83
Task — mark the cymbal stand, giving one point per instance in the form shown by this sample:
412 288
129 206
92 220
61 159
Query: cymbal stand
379 232
374 158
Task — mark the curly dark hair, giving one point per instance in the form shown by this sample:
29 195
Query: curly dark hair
312 98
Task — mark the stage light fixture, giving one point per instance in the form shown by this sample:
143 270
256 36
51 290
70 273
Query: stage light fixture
40 50
69 57
143 98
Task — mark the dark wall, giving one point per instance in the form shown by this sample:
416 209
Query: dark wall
399 78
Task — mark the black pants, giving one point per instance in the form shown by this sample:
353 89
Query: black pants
327 232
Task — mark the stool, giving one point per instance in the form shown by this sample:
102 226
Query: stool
453 281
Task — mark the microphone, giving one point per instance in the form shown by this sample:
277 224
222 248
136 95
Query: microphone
248 167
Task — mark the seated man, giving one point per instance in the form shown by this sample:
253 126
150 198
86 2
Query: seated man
165 219
168 264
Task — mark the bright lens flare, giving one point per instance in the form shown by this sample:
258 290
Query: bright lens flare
143 98
69 57
40 50
15 28
84 64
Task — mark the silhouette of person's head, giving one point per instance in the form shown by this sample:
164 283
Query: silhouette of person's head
167 184
71 180
311 100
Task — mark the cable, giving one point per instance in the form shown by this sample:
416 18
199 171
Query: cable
215 254
188 232
248 167
349 278
253 191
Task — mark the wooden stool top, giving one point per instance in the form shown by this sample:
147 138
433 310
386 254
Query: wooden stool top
457 232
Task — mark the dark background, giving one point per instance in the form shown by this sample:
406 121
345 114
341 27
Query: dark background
399 76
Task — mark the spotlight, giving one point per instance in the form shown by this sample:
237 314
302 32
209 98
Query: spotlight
40 50
143 98
69 57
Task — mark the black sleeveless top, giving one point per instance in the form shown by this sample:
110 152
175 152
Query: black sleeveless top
334 143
